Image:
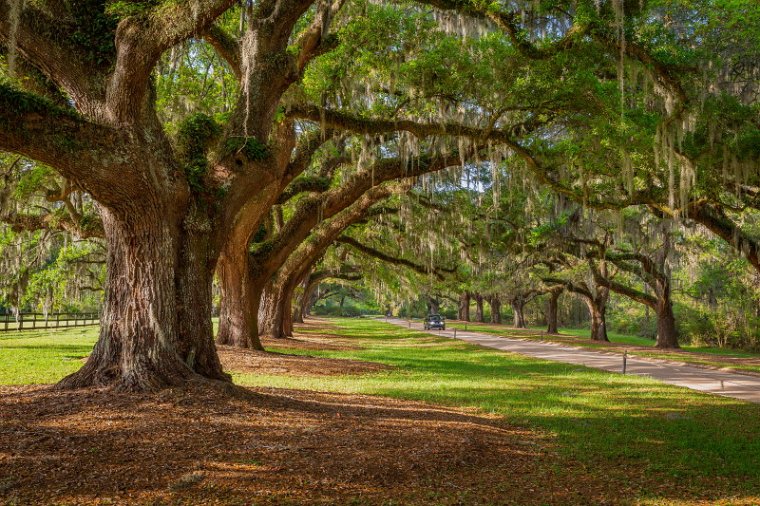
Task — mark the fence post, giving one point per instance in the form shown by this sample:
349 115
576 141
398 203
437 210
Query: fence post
75 319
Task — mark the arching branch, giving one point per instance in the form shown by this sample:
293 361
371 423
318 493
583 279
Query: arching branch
385 257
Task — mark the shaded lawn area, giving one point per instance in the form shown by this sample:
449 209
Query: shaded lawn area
635 440
722 358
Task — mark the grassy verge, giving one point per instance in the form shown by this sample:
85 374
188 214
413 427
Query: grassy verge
736 360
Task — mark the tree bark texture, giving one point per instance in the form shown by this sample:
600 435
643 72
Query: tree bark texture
552 312
518 307
463 313
495 304
479 315
156 322
597 313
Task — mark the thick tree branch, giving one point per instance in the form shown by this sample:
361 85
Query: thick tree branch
319 207
140 42
394 260
92 156
226 46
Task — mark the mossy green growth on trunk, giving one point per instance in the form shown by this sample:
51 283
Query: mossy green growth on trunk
253 149
195 136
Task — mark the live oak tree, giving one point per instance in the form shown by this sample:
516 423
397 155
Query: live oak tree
167 205
177 203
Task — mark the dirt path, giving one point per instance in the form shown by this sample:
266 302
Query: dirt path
729 384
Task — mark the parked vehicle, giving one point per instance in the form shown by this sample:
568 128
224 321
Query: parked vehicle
434 322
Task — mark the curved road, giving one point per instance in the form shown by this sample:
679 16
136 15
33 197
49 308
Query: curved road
729 384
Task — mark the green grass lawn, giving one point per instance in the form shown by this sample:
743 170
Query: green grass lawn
43 356
655 443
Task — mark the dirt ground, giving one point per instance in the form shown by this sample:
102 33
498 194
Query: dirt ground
262 362
214 444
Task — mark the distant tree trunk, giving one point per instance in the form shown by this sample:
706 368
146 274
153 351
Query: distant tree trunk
518 310
434 305
597 311
495 304
464 307
309 298
667 332
240 299
552 311
287 317
271 310
340 307
479 308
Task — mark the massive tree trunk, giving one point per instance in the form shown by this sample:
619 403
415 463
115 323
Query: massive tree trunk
552 311
479 308
464 307
238 317
495 304
156 322
272 310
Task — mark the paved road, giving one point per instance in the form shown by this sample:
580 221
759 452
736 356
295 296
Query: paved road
738 386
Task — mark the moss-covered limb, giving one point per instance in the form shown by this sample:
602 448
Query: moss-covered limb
509 22
391 259
544 173
310 248
92 155
29 78
627 291
715 219
315 40
304 184
312 210
227 46
44 41
370 126
308 145
86 227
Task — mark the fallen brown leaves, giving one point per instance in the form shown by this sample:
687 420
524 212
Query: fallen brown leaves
263 362
209 444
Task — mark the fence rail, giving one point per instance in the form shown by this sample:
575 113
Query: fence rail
31 321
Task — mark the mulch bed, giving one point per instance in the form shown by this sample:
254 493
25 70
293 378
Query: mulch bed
263 362
215 444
